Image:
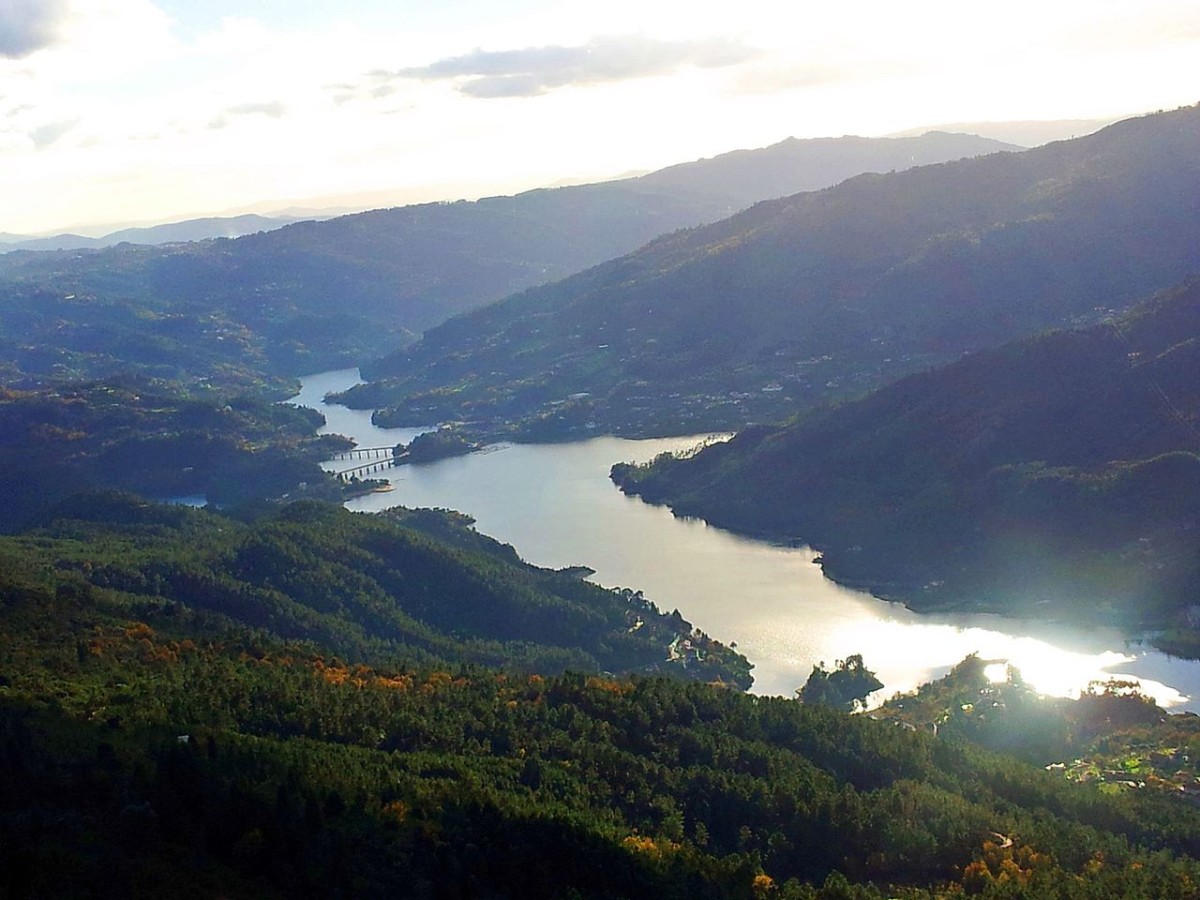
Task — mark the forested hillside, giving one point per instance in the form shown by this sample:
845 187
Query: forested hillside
821 294
1056 476
188 708
154 439
318 295
409 586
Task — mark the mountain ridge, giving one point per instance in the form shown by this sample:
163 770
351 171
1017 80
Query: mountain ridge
185 230
825 293
377 277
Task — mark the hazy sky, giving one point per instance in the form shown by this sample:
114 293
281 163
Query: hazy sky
116 111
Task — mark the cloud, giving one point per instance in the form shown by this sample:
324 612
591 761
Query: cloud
273 109
537 70
775 78
781 78
27 26
1136 29
47 134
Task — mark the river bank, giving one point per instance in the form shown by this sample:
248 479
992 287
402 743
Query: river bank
556 505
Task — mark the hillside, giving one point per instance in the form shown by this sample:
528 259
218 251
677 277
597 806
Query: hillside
136 437
1057 476
316 295
188 707
820 294
419 587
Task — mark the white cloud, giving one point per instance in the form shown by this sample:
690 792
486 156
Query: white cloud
777 76
532 71
27 26
273 109
236 36
45 135
105 38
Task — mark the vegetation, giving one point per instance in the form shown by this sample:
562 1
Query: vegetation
163 733
1054 476
434 445
57 326
817 296
154 440
1111 735
846 687
419 586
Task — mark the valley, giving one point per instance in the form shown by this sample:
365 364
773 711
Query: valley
954 374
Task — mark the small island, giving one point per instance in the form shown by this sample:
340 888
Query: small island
445 442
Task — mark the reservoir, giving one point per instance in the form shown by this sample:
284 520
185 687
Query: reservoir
555 504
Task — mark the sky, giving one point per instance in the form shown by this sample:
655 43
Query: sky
116 112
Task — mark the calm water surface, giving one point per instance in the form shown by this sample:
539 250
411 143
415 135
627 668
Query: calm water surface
555 504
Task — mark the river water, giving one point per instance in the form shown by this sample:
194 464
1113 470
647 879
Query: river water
555 504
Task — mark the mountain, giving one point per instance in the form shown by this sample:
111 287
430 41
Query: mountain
819 294
10 242
341 289
1056 476
746 177
1026 133
171 232
199 229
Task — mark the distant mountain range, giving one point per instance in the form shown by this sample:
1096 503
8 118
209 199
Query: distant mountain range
318 294
1028 133
172 232
1058 475
742 177
820 294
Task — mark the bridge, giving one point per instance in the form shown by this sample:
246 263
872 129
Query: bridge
363 453
384 458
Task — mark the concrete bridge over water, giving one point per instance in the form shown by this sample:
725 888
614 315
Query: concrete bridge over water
381 458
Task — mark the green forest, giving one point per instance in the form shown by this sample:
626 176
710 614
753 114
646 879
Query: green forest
158 439
321 703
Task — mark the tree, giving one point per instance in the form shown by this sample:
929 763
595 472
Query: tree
846 687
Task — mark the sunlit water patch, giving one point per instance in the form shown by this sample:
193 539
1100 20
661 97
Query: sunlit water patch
556 505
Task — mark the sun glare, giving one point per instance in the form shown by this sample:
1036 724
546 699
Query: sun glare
996 673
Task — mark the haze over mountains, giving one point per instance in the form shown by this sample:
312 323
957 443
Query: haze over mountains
790 166
171 232
821 294
1030 133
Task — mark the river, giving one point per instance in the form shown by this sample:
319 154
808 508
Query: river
556 505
